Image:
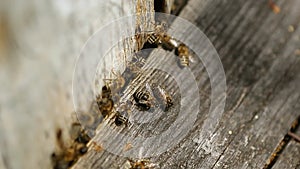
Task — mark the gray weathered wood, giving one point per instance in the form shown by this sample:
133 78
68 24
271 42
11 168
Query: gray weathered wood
290 157
258 54
39 45
257 49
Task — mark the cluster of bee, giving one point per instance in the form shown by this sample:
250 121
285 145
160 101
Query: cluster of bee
160 38
108 100
139 164
106 106
146 98
66 156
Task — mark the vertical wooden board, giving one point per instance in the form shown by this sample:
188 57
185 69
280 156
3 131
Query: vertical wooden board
44 40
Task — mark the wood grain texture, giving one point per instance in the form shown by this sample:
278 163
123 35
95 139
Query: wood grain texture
262 70
40 42
259 51
290 157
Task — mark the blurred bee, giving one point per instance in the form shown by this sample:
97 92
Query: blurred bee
183 52
105 102
143 100
65 157
78 134
139 164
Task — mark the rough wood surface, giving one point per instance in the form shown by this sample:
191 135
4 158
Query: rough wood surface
258 54
258 50
290 157
39 44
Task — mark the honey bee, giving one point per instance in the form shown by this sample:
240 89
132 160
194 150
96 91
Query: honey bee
65 157
153 38
105 102
168 43
143 100
163 97
163 40
121 115
140 164
105 106
78 134
183 52
121 118
106 92
159 37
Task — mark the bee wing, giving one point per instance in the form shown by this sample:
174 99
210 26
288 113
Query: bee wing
192 58
174 42
161 90
148 87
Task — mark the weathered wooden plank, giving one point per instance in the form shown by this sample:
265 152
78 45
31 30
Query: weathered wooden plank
40 42
247 47
290 157
258 54
257 49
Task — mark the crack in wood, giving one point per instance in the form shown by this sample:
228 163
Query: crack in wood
281 146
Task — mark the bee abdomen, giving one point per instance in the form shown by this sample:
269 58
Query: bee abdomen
138 96
142 99
184 60
121 118
105 106
152 38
